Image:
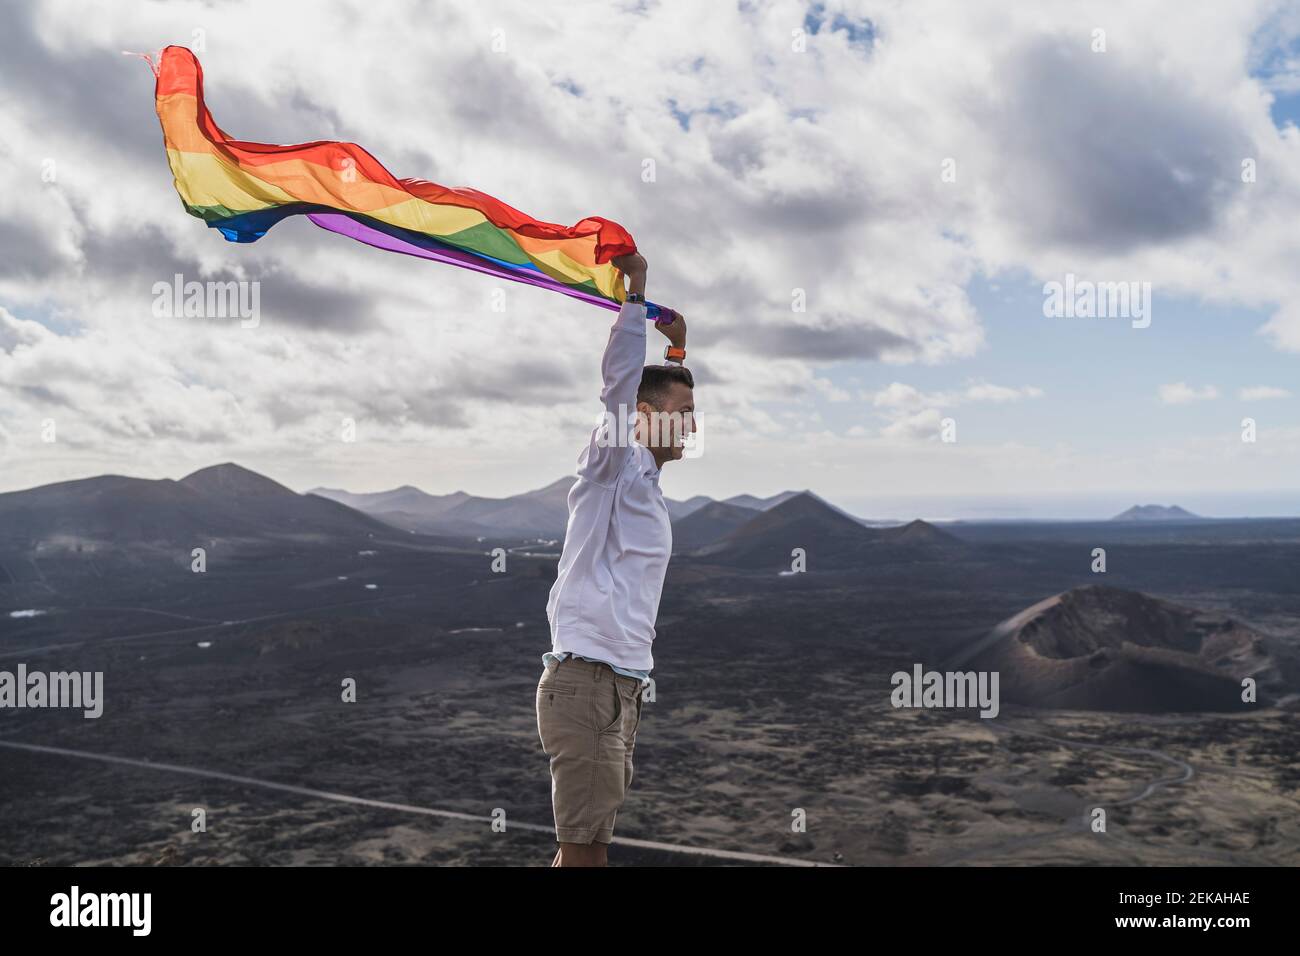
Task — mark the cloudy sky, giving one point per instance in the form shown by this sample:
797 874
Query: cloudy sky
913 174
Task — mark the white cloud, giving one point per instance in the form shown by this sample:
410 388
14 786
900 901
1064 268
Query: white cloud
923 424
818 171
897 395
1180 393
1000 393
912 414
1257 393
830 391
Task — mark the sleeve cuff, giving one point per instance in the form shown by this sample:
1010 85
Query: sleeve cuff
631 316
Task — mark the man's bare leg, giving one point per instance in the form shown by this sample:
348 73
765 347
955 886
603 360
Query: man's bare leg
582 854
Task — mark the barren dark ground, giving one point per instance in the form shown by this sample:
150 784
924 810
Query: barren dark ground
772 695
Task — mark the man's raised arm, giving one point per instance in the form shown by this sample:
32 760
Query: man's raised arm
621 368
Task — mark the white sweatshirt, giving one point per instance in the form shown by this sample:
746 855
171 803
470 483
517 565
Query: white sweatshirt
616 547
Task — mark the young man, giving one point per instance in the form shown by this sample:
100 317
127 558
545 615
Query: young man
605 598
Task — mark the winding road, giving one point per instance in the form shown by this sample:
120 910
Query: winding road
397 807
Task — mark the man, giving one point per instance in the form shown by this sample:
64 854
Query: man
605 598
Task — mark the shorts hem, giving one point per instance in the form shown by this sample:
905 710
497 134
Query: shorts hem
584 835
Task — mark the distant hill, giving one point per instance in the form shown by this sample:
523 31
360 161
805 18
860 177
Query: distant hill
231 480
541 513
229 501
762 504
406 499
918 532
680 509
223 501
707 524
830 537
1104 648
1157 513
802 511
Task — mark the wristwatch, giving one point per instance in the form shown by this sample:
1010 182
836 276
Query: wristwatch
674 355
636 297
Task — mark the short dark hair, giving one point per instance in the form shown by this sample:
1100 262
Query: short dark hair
656 380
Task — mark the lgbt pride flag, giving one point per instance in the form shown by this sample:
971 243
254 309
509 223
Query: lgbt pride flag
243 189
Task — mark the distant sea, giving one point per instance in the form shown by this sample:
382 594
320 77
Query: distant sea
1065 507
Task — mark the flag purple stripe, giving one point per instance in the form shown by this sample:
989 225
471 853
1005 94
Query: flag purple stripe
347 226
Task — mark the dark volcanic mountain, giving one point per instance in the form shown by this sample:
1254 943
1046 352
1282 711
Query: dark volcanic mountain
224 501
919 532
707 524
1156 513
1103 648
829 537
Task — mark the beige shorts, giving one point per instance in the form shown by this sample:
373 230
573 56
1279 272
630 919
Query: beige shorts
587 718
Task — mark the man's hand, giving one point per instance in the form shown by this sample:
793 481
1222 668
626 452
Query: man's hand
634 266
632 263
676 330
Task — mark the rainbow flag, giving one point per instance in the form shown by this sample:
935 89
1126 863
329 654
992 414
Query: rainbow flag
243 189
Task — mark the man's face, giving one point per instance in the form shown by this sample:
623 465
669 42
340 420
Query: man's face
668 426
